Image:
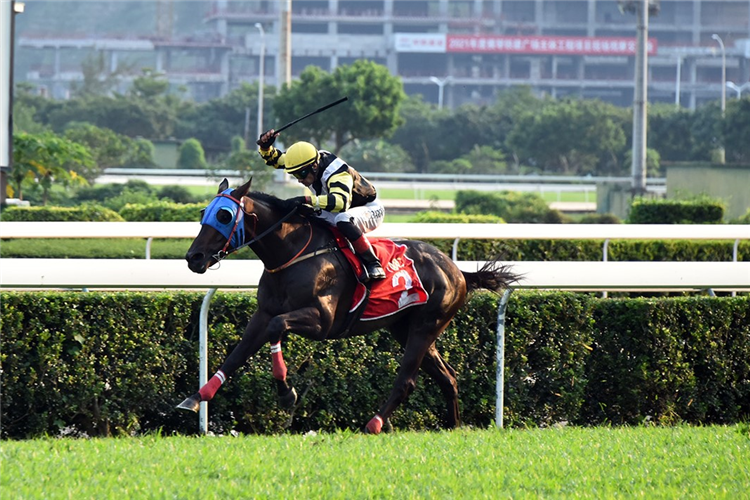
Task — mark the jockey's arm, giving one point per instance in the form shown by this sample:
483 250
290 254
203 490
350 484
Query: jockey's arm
339 197
272 157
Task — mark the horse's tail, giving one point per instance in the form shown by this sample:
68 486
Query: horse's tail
492 276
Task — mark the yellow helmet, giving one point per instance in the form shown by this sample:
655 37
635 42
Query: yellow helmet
300 155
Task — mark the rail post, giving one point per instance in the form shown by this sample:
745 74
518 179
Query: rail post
500 354
203 355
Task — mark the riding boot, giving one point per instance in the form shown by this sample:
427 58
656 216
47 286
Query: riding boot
372 264
372 267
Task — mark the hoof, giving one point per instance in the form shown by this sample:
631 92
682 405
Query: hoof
193 403
289 399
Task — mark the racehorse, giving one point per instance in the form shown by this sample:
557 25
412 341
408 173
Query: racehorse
309 288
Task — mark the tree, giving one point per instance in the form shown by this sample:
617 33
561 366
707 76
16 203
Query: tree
737 130
215 122
43 158
375 97
97 79
107 148
150 85
249 164
418 132
26 106
377 156
571 136
124 115
140 154
706 129
669 132
371 112
313 89
191 155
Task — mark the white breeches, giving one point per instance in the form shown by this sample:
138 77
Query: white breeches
366 218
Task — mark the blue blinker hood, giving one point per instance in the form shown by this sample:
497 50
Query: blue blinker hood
234 230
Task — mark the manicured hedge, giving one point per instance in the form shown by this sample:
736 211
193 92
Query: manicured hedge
588 250
658 211
83 213
432 217
162 211
117 363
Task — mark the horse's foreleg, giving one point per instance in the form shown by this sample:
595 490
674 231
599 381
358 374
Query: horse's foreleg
305 322
252 340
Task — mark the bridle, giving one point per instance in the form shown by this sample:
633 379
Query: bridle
240 212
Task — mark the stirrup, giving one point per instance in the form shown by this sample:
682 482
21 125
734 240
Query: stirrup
375 270
364 276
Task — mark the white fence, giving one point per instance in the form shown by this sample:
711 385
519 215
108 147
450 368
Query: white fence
157 274
456 232
243 274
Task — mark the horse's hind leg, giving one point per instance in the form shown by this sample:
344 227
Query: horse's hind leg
415 349
445 377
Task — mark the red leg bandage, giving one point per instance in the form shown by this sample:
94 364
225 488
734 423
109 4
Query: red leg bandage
208 391
277 360
375 425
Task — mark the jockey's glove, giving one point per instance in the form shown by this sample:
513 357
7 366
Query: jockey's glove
301 200
267 139
306 205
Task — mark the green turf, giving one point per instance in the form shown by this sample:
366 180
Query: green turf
208 192
450 194
644 462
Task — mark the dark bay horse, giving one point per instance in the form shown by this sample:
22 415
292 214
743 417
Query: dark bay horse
308 286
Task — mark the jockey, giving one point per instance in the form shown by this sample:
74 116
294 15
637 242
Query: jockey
338 193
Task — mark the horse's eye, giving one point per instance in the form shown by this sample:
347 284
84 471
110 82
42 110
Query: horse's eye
224 216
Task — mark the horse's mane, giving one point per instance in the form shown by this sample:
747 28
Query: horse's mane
276 203
284 206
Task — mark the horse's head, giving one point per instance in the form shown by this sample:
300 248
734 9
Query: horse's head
222 228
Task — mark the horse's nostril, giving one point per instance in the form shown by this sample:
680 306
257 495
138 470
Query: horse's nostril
194 257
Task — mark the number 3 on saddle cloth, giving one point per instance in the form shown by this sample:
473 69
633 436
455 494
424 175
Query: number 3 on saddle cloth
400 289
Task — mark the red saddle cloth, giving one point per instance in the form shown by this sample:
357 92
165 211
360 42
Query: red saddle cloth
401 287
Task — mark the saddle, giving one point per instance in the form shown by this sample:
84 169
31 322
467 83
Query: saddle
401 288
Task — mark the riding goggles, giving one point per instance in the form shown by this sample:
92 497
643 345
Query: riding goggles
303 172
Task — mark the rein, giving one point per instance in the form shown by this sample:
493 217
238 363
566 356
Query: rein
224 252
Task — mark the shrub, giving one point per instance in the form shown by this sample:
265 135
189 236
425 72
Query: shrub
177 194
745 219
162 211
115 196
191 155
600 219
701 211
511 206
94 213
435 217
117 363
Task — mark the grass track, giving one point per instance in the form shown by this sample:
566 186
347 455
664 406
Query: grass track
675 462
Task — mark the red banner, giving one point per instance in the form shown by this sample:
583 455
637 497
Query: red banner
561 45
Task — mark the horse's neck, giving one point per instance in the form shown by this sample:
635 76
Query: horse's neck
289 240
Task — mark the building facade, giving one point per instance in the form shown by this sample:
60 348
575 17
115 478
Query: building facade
450 51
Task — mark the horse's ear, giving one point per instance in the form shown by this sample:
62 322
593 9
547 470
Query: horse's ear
243 189
224 185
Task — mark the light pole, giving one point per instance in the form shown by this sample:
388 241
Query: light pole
716 37
738 88
723 73
261 71
440 83
8 11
